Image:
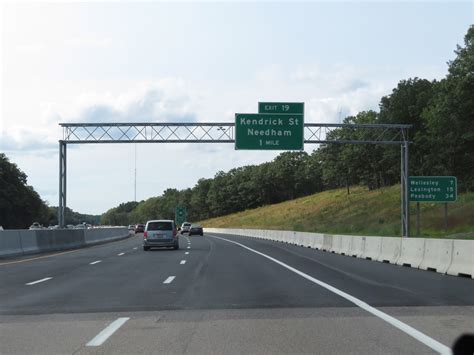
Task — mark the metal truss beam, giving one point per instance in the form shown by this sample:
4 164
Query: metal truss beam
219 132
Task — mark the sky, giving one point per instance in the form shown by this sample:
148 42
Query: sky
196 62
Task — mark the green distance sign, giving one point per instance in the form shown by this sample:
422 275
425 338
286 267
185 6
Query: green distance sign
180 214
432 188
296 108
254 131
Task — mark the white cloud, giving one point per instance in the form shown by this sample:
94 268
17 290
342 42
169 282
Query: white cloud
31 48
331 79
89 41
165 100
37 140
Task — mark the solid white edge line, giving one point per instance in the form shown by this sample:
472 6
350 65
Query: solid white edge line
100 338
95 262
169 280
182 262
421 337
38 281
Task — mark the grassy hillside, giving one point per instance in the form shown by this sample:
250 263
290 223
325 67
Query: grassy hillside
362 212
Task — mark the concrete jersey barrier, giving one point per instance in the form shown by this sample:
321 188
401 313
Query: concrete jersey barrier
390 250
357 247
24 242
28 242
372 248
463 256
59 239
454 257
412 252
438 255
10 242
346 242
327 242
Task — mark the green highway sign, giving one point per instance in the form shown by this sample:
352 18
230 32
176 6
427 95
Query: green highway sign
295 108
254 131
180 214
433 188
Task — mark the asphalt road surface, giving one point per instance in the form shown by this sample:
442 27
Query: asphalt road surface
225 294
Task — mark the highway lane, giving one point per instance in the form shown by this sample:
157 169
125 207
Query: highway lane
224 298
33 267
380 284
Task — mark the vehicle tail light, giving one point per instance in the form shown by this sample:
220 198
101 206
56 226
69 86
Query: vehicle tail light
175 232
145 234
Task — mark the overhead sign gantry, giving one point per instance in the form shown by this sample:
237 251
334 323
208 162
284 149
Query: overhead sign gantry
225 132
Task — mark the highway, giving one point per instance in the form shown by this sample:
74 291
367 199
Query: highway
225 294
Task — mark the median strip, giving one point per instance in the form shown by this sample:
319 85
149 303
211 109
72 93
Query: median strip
95 262
169 280
100 338
38 281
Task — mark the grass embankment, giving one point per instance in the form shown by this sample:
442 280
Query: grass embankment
362 212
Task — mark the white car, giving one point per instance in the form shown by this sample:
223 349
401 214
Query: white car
36 225
185 227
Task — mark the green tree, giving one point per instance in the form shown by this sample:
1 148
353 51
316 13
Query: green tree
20 204
406 105
289 168
450 119
198 200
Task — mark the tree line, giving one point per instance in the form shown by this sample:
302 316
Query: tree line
441 113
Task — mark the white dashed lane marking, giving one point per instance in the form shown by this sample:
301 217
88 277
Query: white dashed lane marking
95 262
120 254
183 262
169 280
38 281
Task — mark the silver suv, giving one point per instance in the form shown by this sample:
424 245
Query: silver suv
160 233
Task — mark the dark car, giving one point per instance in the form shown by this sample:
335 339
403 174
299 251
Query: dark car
196 229
139 228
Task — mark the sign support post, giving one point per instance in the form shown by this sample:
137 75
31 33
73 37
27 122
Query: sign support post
62 184
417 219
446 217
404 188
